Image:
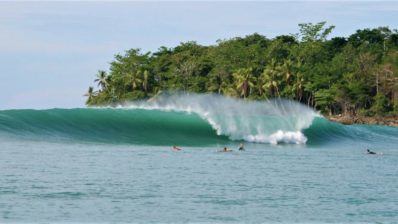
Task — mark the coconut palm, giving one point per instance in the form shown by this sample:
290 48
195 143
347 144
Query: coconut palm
145 81
135 79
114 95
260 86
102 79
90 94
270 78
298 86
214 84
287 70
244 81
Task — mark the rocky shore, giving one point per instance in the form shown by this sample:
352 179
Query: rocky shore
389 121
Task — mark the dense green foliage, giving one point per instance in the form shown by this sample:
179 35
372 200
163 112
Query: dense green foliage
357 75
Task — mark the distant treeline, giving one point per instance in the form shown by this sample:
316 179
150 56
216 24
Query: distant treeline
355 75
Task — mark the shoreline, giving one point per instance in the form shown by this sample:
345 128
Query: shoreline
349 120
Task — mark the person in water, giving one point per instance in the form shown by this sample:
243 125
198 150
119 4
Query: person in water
241 147
370 152
175 148
226 150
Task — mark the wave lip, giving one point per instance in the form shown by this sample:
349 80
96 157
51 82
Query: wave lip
178 119
190 120
273 121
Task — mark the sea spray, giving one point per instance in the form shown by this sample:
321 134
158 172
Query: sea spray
187 120
271 121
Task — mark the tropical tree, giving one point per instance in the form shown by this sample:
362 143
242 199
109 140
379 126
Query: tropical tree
347 75
380 104
102 79
134 79
244 81
215 84
314 32
261 86
271 79
287 75
298 86
287 70
324 100
186 69
145 82
90 94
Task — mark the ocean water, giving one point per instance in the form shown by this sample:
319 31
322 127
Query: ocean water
116 165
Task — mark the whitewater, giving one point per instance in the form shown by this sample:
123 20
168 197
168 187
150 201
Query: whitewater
263 122
186 119
114 164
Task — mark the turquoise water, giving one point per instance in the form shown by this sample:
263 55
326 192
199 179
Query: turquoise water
116 165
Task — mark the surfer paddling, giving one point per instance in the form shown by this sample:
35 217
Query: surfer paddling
226 150
373 153
175 148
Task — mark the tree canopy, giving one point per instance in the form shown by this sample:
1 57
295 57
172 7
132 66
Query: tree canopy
354 75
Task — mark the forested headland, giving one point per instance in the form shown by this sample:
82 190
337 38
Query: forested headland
354 75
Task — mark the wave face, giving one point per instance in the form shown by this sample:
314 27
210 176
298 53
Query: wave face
191 120
262 121
108 126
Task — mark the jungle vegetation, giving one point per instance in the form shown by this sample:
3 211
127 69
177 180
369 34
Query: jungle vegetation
354 75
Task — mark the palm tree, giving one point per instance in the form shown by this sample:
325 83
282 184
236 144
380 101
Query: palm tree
244 81
270 78
134 79
145 82
298 86
215 83
102 79
260 86
286 70
114 95
90 94
229 91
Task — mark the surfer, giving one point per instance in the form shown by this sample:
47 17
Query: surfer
370 152
373 153
226 150
175 148
241 147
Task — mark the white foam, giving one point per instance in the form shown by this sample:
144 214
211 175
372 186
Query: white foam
273 122
279 136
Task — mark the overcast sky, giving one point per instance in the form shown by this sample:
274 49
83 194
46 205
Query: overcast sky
51 51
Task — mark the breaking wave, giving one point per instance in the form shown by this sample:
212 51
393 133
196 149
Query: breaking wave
194 119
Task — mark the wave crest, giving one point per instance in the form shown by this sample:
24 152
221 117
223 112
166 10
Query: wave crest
273 121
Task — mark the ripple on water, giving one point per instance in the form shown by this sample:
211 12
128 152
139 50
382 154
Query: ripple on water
62 195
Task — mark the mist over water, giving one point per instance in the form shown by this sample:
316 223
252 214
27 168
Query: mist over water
270 121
